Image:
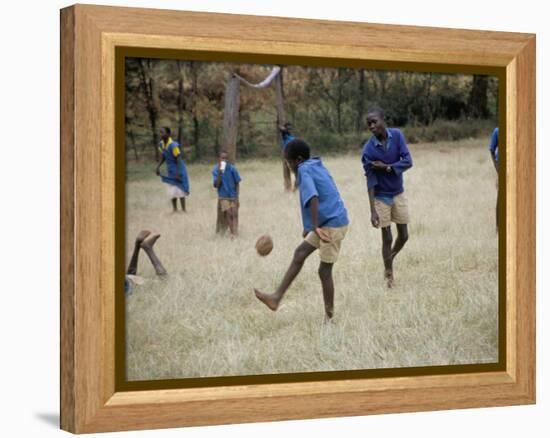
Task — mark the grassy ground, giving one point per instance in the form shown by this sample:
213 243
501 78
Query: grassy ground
203 319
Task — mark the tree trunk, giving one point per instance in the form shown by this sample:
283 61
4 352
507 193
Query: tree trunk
280 99
147 82
181 101
231 117
196 125
281 120
217 143
478 97
339 96
360 123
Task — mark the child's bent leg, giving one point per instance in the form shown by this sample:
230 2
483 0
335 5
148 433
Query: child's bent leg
402 237
325 274
132 267
147 246
301 253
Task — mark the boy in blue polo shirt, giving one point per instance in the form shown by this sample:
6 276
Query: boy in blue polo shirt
385 158
493 150
226 180
325 222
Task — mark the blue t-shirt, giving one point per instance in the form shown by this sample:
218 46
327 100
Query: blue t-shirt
315 180
286 139
493 145
396 154
230 179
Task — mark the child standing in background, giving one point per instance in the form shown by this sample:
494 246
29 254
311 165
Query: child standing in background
177 180
226 181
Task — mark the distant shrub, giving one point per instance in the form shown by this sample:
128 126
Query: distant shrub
449 130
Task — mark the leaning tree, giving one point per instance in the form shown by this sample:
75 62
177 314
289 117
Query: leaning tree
232 105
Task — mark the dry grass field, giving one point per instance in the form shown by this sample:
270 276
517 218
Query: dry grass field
203 319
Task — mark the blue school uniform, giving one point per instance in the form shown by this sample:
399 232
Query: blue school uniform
286 139
229 180
396 154
315 180
493 145
170 151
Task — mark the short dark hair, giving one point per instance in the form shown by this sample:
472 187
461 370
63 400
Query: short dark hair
167 129
297 148
378 110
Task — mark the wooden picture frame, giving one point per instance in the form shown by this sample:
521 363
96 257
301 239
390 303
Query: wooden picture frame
90 37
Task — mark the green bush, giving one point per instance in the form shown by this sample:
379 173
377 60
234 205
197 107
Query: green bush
449 130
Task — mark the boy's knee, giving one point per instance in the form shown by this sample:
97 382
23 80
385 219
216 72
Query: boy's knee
325 270
403 233
300 255
387 236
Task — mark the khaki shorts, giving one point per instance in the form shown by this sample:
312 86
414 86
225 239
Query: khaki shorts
227 204
328 251
398 212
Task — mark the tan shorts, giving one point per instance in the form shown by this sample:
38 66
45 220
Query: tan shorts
227 204
328 251
398 212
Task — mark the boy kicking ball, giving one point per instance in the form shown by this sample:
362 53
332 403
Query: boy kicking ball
325 222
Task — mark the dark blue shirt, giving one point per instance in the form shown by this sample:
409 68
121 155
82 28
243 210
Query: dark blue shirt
230 179
396 154
315 180
493 145
286 139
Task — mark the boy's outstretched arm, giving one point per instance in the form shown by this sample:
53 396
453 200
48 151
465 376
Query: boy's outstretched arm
314 208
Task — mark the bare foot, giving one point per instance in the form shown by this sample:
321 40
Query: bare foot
150 242
135 279
142 235
267 299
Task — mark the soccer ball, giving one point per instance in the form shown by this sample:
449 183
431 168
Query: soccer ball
264 245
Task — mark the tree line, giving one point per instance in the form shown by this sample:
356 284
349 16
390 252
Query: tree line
327 106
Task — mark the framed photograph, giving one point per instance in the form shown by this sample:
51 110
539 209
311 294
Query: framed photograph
270 218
